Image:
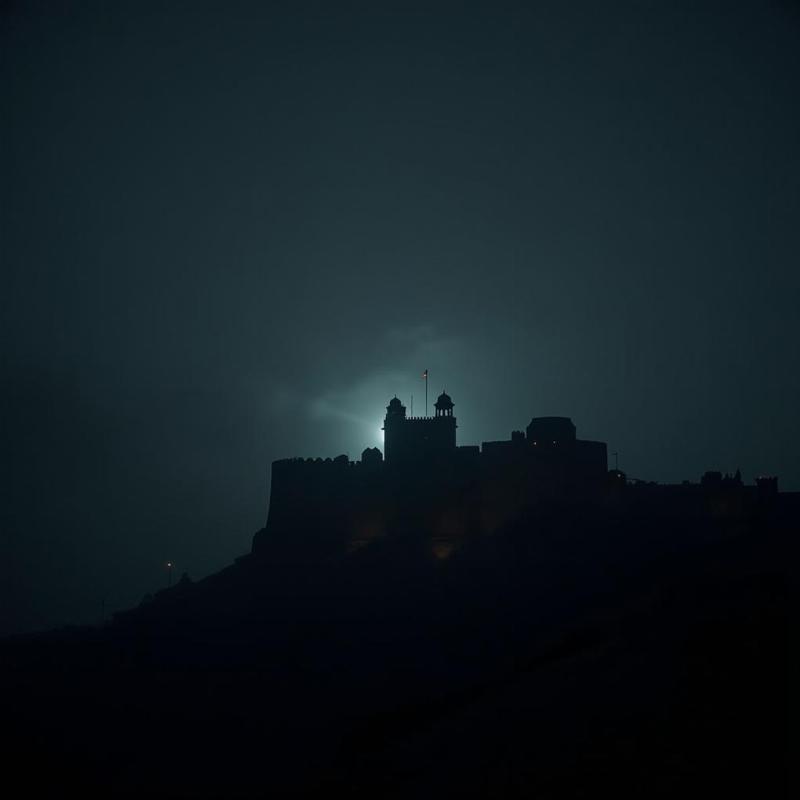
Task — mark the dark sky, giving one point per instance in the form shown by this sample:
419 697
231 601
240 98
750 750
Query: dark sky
230 233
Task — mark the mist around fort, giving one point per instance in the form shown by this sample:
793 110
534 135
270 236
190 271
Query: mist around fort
398 399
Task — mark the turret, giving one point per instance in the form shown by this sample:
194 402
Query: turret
444 405
392 428
395 408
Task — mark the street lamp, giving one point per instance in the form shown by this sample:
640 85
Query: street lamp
169 573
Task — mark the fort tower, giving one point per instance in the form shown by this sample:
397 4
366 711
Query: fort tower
408 439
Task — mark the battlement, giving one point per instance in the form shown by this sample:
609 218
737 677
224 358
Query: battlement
339 463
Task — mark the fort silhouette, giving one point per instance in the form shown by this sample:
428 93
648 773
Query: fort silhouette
402 620
428 482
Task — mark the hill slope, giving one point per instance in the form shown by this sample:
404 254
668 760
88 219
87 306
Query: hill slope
573 652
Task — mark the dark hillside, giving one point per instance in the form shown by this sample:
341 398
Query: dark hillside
571 653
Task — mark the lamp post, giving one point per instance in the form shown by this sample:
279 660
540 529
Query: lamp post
169 573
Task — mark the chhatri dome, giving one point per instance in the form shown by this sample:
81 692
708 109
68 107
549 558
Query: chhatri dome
444 405
395 406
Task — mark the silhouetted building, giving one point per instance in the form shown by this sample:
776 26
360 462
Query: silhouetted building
551 431
426 482
407 439
714 479
371 456
550 449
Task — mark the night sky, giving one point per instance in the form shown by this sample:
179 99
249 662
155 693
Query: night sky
230 233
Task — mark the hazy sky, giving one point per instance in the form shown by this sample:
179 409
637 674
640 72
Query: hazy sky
231 232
